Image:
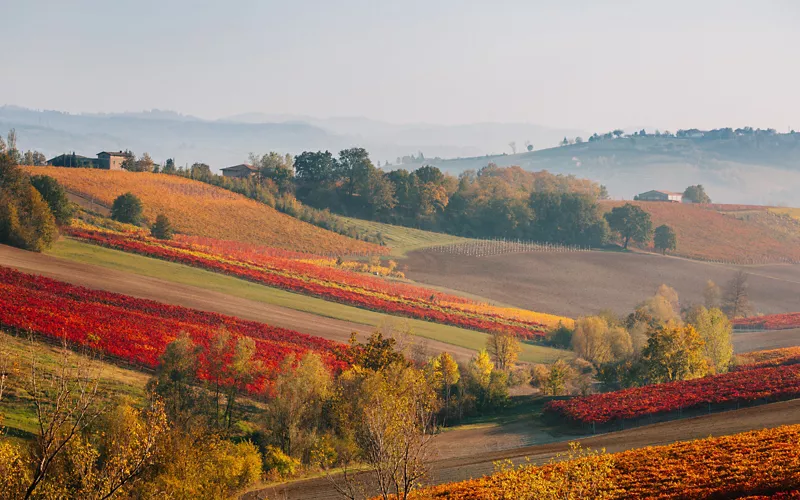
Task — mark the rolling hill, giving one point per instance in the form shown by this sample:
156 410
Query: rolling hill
751 169
204 210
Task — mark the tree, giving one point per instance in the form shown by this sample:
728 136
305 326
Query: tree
276 167
176 381
162 229
12 151
618 133
144 164
299 393
169 166
674 353
444 374
391 414
631 222
378 353
553 381
504 348
665 239
737 301
353 168
716 331
56 197
127 208
513 146
25 218
596 341
696 194
712 295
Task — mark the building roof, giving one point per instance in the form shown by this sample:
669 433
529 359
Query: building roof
112 153
239 167
669 193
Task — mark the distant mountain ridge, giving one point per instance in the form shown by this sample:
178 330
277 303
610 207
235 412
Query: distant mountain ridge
224 142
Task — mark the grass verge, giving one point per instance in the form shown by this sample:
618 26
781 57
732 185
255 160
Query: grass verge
404 239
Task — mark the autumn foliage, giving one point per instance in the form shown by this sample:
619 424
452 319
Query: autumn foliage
771 357
769 322
137 330
204 210
778 382
757 464
319 277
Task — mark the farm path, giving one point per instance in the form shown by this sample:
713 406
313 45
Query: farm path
473 463
135 285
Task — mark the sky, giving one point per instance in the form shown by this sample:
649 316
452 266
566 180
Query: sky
582 64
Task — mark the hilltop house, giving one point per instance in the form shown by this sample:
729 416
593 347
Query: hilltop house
240 171
105 160
658 195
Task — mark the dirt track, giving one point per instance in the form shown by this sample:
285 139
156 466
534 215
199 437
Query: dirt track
197 298
476 465
574 284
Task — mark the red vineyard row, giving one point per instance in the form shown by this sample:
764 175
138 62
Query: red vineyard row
138 330
744 386
769 322
326 283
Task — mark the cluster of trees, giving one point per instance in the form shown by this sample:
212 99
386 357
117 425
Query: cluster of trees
660 341
31 207
128 209
27 158
631 223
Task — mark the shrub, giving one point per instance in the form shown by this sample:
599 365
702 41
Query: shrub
15 475
162 229
279 464
127 208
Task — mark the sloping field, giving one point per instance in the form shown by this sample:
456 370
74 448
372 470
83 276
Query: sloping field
581 283
138 276
478 464
204 210
404 239
741 234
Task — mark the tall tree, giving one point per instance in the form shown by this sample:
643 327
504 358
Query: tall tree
25 218
444 375
665 239
353 168
504 348
737 301
674 353
631 222
716 331
712 295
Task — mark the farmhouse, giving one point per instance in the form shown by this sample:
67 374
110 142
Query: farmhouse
105 160
658 195
239 171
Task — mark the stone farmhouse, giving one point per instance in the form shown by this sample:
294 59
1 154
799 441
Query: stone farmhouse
658 195
107 160
239 171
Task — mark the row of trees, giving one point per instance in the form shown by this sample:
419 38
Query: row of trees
631 223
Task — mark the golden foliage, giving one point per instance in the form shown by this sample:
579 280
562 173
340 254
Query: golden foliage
201 209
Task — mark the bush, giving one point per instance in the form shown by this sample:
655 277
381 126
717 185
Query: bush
25 219
279 464
56 197
15 475
162 229
127 208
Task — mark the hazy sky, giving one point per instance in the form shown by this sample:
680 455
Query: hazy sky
667 64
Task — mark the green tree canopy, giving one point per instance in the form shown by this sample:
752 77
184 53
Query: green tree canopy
127 208
56 197
25 219
665 238
162 229
631 223
696 194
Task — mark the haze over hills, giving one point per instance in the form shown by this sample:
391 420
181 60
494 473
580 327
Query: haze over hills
225 142
752 170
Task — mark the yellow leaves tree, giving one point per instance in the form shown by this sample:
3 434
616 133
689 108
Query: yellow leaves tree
504 348
596 341
674 353
716 330
443 373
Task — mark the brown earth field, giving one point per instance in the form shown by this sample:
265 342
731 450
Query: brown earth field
583 283
472 462
110 280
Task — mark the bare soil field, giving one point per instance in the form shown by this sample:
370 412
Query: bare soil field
581 283
769 339
164 291
479 463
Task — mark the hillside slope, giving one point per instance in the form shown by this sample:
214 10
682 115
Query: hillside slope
746 235
751 170
201 209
